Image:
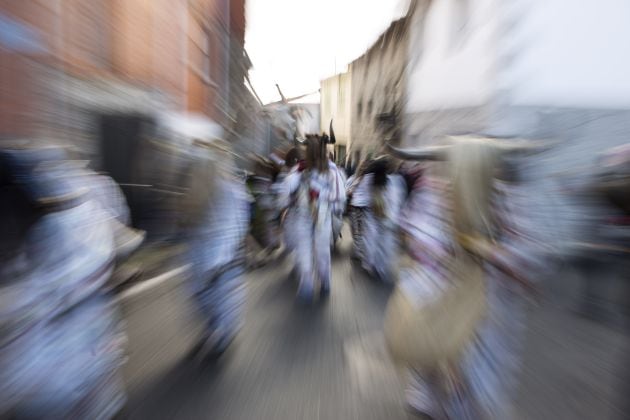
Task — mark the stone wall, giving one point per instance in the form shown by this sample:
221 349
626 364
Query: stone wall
378 83
336 104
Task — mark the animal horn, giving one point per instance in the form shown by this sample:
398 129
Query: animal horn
332 133
425 153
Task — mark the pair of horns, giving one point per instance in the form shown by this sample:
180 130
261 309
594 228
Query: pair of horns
439 153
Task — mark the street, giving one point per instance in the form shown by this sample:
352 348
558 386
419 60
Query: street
292 361
328 361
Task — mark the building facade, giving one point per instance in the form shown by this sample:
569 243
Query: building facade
524 69
86 60
378 90
336 106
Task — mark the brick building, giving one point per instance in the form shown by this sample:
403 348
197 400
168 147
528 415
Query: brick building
65 64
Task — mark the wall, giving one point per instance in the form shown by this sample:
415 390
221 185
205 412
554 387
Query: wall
535 69
335 104
132 43
250 130
208 49
22 42
567 54
452 54
378 80
178 50
146 41
491 63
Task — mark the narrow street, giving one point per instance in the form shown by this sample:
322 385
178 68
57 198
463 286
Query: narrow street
292 361
156 155
328 361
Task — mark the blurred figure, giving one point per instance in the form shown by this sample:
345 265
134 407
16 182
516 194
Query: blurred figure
352 164
426 226
288 214
292 158
615 172
380 219
216 221
358 191
339 206
613 183
447 224
265 219
606 249
309 193
62 338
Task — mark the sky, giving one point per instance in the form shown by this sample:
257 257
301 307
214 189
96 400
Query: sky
297 43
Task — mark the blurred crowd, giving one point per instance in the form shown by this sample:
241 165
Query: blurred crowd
450 226
133 146
444 224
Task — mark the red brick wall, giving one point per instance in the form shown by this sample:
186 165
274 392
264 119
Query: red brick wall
237 20
146 42
18 74
169 68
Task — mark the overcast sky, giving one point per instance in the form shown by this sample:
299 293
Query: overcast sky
296 43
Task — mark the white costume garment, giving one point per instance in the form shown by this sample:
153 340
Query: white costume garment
350 182
361 195
338 207
106 192
281 191
487 370
310 196
216 254
62 340
359 189
380 234
426 222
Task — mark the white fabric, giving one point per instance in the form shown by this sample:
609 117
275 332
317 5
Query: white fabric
62 343
487 372
218 240
282 188
380 234
215 245
350 182
108 194
310 224
361 194
338 207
